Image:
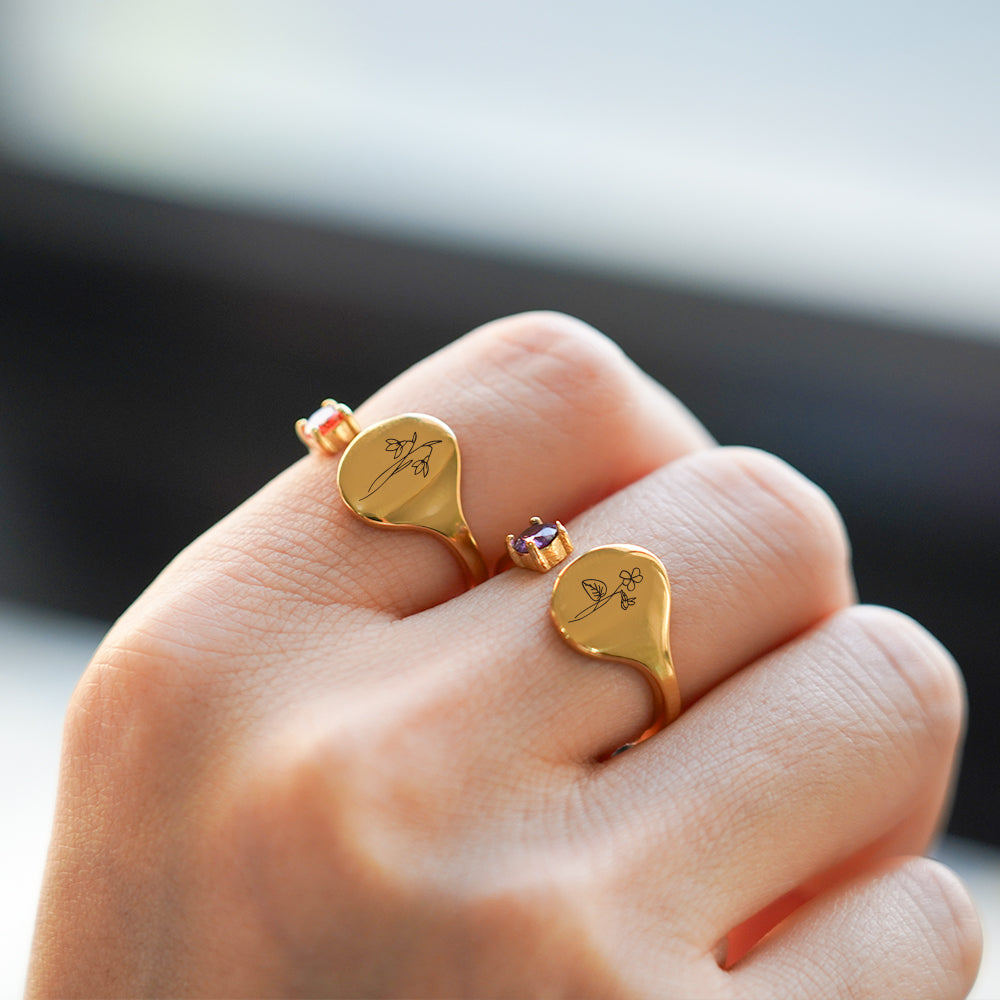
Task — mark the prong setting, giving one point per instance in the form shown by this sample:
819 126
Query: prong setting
540 546
329 429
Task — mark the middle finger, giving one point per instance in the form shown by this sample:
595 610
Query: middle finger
756 554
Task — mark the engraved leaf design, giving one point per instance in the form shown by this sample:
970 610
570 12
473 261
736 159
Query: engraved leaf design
596 589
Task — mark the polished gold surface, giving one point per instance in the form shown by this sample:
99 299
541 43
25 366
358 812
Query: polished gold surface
541 559
405 472
614 603
330 429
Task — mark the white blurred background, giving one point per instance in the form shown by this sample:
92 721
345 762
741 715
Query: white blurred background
846 155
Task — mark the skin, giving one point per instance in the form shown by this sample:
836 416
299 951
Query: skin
306 764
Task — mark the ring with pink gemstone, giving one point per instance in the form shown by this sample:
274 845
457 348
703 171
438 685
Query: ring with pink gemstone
330 429
542 545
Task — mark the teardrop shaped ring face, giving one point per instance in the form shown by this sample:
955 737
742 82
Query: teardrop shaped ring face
405 472
613 603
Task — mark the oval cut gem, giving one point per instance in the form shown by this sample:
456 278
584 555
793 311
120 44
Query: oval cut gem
541 534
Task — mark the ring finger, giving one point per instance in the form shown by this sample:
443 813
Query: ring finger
817 750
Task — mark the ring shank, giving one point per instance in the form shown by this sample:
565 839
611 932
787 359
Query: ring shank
666 696
466 551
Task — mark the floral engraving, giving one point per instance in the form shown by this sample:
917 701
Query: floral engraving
407 454
597 591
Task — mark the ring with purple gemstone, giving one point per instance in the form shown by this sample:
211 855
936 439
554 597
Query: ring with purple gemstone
542 545
330 429
613 603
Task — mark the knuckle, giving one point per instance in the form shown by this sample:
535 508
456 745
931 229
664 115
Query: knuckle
550 332
945 919
531 908
333 808
93 708
143 695
121 695
560 355
322 795
810 513
912 671
318 791
301 828
784 511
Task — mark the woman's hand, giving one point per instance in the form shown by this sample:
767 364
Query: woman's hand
305 764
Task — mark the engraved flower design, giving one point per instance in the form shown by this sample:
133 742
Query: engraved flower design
597 592
396 446
407 453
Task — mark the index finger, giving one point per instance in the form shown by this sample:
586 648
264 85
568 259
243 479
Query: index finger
550 417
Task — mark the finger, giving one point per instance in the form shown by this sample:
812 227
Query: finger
756 555
549 414
909 930
550 417
792 765
911 836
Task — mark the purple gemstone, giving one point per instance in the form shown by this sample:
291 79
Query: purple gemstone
541 534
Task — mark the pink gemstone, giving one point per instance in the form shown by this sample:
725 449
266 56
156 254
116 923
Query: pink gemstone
325 419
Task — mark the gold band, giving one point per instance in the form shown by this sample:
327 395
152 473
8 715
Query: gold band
466 551
666 696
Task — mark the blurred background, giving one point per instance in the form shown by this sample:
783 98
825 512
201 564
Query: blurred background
213 214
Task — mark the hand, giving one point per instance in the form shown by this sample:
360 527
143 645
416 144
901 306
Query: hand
305 764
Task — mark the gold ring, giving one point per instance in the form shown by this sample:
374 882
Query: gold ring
614 603
405 472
